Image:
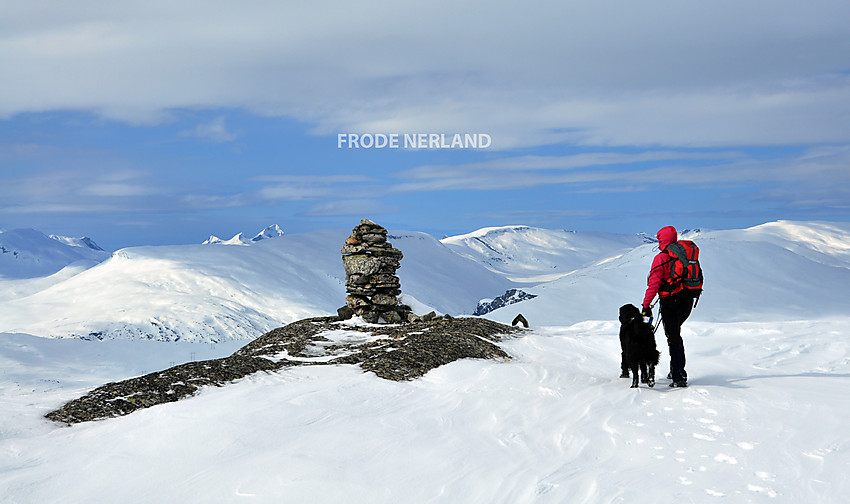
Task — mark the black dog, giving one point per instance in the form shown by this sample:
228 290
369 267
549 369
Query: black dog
637 340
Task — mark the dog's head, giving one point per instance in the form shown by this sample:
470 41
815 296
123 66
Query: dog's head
628 313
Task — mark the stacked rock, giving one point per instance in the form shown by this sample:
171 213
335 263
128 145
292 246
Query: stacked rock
370 263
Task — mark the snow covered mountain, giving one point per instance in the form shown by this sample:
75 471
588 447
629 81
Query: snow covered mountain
528 255
763 420
238 239
777 271
27 253
273 231
203 293
84 242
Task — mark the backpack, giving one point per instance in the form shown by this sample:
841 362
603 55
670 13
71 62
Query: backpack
685 277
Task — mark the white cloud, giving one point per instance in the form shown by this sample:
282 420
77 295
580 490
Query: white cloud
292 192
215 130
600 73
349 207
82 191
309 187
532 171
817 177
116 189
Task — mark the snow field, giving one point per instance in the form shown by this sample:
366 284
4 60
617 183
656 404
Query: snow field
764 420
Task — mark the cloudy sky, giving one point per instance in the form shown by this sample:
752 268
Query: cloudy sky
166 121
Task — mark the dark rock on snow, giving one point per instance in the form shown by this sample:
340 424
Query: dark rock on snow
511 296
394 352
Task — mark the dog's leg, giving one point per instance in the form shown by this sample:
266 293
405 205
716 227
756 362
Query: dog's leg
650 380
643 372
634 376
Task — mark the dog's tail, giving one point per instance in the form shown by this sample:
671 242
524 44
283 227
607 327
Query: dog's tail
656 356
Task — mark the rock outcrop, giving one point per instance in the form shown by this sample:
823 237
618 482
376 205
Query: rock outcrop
510 297
396 352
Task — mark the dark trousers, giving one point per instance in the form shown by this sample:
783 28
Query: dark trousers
674 311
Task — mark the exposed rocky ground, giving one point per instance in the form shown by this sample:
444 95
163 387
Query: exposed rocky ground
510 297
394 352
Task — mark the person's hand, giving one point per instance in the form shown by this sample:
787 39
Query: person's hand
647 312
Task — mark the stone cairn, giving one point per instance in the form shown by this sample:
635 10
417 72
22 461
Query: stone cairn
370 263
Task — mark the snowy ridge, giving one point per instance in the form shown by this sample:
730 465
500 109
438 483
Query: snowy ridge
763 420
85 242
273 231
528 255
213 294
238 239
27 253
203 293
755 274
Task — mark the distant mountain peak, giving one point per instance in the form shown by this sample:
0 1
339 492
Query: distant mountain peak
28 253
85 242
272 231
238 239
646 237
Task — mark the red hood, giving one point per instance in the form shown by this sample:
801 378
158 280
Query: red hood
666 236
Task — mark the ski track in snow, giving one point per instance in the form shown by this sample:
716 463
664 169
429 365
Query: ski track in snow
764 420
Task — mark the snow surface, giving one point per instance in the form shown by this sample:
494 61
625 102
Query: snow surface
27 253
273 231
529 255
764 420
750 275
238 239
211 293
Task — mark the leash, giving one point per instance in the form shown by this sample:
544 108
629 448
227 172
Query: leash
655 329
651 306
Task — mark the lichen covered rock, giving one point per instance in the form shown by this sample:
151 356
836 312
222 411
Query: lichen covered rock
394 352
370 263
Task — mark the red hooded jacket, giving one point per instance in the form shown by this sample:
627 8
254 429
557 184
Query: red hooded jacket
657 273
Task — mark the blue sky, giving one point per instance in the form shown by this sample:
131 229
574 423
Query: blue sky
163 123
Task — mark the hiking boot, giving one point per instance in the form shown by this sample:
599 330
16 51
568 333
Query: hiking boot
681 384
624 374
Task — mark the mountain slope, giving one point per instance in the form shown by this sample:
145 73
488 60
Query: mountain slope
779 271
529 255
764 420
27 253
214 293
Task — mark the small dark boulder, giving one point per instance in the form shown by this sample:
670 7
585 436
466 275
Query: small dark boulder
519 319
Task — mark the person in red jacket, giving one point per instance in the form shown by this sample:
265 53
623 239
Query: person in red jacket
674 309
